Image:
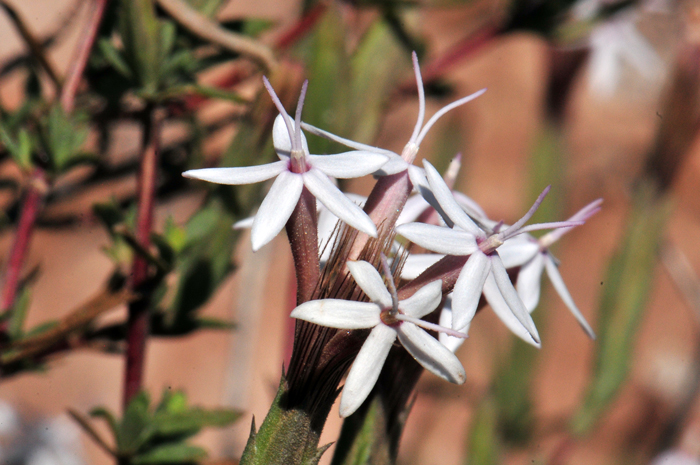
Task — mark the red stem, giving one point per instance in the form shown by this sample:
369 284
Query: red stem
30 209
38 183
82 53
139 316
302 231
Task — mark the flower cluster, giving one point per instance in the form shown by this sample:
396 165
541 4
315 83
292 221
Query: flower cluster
472 254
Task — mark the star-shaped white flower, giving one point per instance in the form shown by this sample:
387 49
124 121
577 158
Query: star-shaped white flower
389 319
533 257
484 270
295 170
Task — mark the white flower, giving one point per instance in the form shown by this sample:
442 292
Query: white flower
296 170
484 270
614 44
399 163
533 257
388 319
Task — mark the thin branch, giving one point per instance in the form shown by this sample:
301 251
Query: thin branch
34 45
75 72
31 205
207 29
138 324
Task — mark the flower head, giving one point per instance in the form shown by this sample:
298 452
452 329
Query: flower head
484 270
388 319
295 171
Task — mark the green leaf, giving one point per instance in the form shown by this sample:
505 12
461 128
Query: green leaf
20 149
136 427
141 35
191 421
18 313
377 64
63 136
214 323
629 280
172 402
114 58
170 453
108 417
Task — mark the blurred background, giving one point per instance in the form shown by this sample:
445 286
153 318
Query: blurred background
596 97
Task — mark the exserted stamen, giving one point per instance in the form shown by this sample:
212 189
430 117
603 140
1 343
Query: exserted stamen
298 157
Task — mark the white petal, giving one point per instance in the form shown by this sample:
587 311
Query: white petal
528 285
341 314
366 368
276 208
518 251
396 164
425 300
504 313
443 194
439 239
432 355
369 279
451 342
414 207
558 283
281 140
245 223
349 164
469 205
236 176
420 184
468 287
417 263
509 294
334 200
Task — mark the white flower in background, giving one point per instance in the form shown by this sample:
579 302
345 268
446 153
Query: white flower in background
295 170
398 163
614 44
389 319
675 457
533 257
484 270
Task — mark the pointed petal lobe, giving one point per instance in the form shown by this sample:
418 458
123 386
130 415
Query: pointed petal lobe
444 196
366 368
558 283
432 355
468 287
337 313
504 313
529 278
237 176
424 301
509 294
349 164
369 279
325 192
439 239
276 209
